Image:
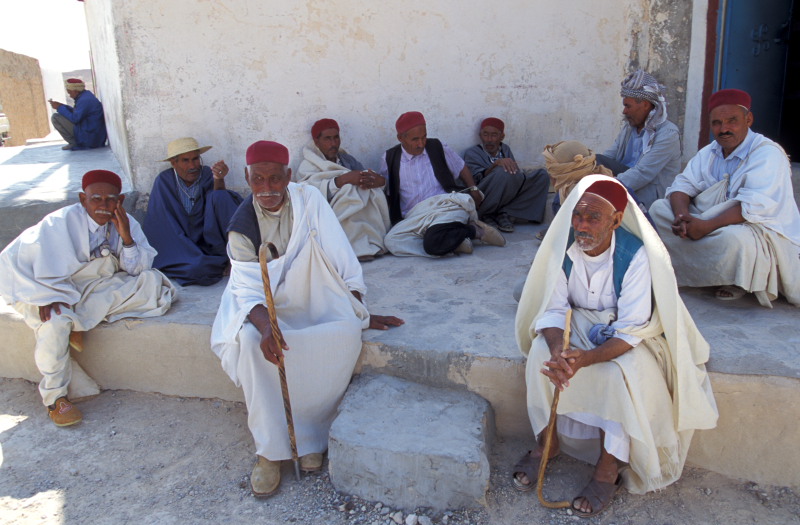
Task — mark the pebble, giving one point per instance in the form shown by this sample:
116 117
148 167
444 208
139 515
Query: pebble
412 519
569 511
708 492
397 517
385 511
378 506
425 520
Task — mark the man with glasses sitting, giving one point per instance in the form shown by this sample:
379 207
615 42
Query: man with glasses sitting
83 264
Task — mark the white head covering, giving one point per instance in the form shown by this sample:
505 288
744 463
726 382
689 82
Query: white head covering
642 85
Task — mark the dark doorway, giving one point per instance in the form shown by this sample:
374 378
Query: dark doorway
753 44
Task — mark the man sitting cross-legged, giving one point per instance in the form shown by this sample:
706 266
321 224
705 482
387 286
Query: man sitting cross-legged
354 193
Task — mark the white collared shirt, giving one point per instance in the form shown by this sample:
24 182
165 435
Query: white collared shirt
591 286
129 259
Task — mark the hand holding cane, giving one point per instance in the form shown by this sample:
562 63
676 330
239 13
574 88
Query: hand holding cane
548 433
278 337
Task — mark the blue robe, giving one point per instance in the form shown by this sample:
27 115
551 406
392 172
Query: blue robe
191 246
87 116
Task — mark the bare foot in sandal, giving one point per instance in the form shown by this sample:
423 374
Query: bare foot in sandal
527 468
597 495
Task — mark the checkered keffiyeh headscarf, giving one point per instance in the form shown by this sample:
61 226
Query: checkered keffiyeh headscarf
642 85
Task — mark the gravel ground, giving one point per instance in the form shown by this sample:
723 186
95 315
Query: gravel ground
146 458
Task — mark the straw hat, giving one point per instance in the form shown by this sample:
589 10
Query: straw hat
184 145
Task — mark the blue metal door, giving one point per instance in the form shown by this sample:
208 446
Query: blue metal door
751 55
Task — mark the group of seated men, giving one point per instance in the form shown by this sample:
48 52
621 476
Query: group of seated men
601 258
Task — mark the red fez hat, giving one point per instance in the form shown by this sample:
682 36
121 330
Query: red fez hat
267 151
612 191
323 124
91 177
493 122
409 120
729 96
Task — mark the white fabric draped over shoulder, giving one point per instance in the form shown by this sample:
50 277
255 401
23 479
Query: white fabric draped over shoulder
37 267
363 213
319 317
659 443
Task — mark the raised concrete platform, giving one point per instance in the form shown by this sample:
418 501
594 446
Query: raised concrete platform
408 445
36 180
459 333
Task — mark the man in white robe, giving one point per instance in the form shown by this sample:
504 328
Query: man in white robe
355 194
730 219
633 383
318 288
431 210
82 264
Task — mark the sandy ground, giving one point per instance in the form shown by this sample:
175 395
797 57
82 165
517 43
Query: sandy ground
146 458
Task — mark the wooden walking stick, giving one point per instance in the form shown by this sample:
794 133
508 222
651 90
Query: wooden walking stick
548 434
278 337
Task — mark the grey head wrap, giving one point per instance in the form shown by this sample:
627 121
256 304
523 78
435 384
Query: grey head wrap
642 85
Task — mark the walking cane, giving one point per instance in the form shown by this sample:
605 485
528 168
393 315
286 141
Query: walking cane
278 337
548 433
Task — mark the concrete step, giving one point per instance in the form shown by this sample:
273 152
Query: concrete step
408 445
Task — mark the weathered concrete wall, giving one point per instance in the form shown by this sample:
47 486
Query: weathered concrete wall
22 97
103 38
234 72
661 40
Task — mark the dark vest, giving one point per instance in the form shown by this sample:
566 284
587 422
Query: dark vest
244 221
436 154
625 247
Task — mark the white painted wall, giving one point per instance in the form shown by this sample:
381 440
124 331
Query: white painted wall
229 73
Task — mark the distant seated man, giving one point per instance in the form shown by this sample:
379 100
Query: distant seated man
188 214
318 288
355 194
508 191
730 219
82 264
633 382
647 153
82 126
432 212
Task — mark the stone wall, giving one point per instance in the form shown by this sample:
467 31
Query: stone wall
235 72
22 97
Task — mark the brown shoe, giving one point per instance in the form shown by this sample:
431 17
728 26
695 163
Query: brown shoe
464 247
311 462
489 235
64 413
76 341
265 478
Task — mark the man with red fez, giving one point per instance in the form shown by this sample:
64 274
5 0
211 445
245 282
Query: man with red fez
508 190
431 210
730 219
354 193
188 215
647 152
633 381
82 126
318 291
80 265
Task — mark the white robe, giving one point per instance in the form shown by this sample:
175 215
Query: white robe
658 391
761 255
51 262
363 214
405 238
319 318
